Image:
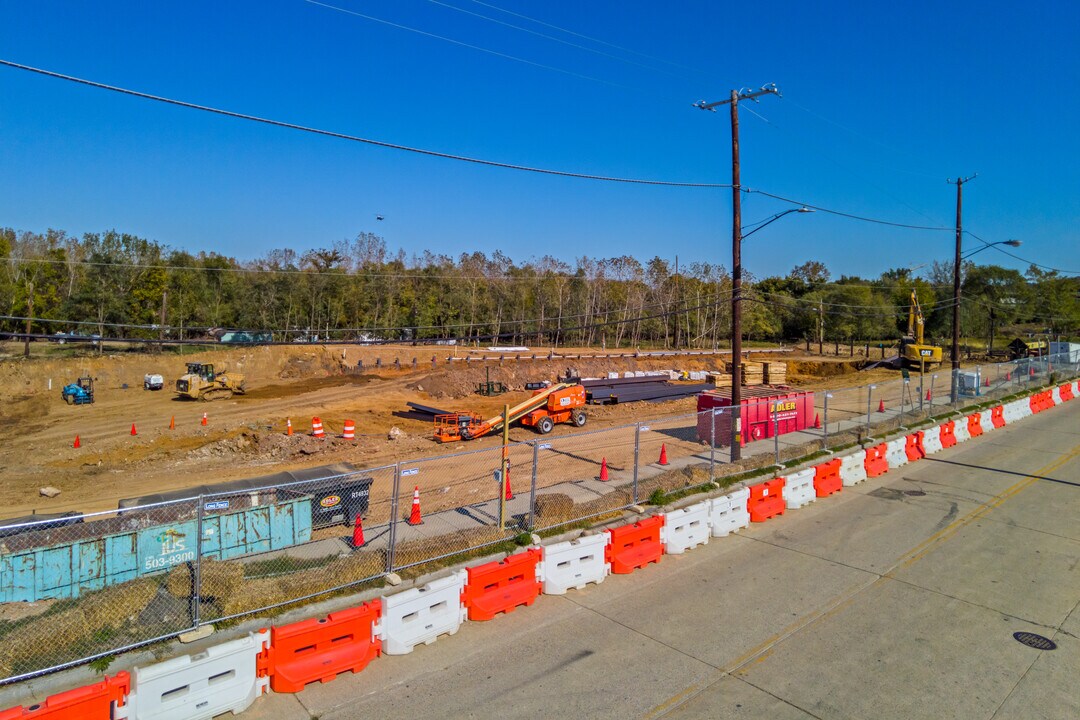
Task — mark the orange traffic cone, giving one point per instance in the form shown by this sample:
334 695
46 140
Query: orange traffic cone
414 516
881 406
986 382
509 492
172 423
1008 376
603 470
76 444
288 426
928 396
358 533
817 421
663 455
204 419
133 432
1031 371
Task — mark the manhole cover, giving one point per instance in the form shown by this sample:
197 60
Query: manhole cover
914 493
1035 641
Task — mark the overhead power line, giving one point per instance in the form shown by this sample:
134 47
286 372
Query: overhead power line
997 246
850 216
352 138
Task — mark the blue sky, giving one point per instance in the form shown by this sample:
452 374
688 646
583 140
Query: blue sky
882 103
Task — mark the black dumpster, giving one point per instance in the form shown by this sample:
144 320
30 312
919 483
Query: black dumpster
336 501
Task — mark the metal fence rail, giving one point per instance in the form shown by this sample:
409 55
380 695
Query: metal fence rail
80 587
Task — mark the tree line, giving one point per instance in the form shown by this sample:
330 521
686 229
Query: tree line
119 285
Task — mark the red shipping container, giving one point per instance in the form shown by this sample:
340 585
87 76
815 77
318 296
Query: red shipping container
763 408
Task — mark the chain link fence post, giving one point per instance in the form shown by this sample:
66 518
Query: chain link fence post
532 486
196 570
825 422
392 538
637 448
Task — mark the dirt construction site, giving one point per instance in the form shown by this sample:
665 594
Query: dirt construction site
135 442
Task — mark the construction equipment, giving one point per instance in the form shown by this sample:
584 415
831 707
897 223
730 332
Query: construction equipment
914 352
559 403
202 383
80 392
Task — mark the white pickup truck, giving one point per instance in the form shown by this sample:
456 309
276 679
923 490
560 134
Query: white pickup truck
153 382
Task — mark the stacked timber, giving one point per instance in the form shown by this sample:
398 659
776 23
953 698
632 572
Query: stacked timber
752 373
718 379
775 373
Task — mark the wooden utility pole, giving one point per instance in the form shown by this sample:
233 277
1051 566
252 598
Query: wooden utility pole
959 182
820 326
736 259
29 314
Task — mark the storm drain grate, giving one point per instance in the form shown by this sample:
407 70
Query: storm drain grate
1035 641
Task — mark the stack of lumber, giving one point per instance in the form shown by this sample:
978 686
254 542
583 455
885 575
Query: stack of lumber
718 379
752 373
775 373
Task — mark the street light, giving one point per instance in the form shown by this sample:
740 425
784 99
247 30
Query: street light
956 293
1010 243
776 217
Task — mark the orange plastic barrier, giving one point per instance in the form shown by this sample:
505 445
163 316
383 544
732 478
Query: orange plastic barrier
974 423
634 546
766 500
1065 391
997 416
311 650
1041 401
913 446
499 587
875 462
948 434
89 702
827 478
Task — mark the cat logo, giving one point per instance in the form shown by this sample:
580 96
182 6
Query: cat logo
330 501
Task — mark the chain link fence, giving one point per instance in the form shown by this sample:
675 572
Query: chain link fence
75 587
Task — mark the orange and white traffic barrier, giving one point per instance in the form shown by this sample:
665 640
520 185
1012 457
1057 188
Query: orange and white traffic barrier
316 428
414 515
349 431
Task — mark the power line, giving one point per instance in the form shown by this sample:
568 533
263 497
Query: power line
850 216
468 45
353 138
551 37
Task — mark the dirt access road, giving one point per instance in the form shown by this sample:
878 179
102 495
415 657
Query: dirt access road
245 436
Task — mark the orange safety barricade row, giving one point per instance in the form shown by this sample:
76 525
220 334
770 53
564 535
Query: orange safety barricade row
1065 391
948 434
827 478
310 650
974 423
1041 401
875 462
90 702
499 587
997 416
913 446
766 500
635 546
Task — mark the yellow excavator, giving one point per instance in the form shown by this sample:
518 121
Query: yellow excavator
914 352
202 383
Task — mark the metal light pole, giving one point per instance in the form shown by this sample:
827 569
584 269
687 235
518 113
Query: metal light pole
736 257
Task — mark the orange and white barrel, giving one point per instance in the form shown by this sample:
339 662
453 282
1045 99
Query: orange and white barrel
349 433
316 428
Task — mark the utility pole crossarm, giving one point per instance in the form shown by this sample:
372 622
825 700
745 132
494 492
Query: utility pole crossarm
743 94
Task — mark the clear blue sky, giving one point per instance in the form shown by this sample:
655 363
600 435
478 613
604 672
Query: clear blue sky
882 102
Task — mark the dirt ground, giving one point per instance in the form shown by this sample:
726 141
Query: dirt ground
245 436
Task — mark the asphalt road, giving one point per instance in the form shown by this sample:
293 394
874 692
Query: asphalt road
897 598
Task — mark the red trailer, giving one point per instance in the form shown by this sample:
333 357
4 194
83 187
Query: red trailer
763 407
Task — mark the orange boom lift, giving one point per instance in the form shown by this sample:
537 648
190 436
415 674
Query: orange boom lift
558 403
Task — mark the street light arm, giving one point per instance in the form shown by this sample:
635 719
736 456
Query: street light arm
776 217
1010 243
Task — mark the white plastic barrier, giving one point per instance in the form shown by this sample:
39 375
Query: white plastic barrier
420 615
574 564
799 489
1011 412
896 452
932 440
853 468
1022 408
198 687
686 528
728 513
960 429
986 421
1055 393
